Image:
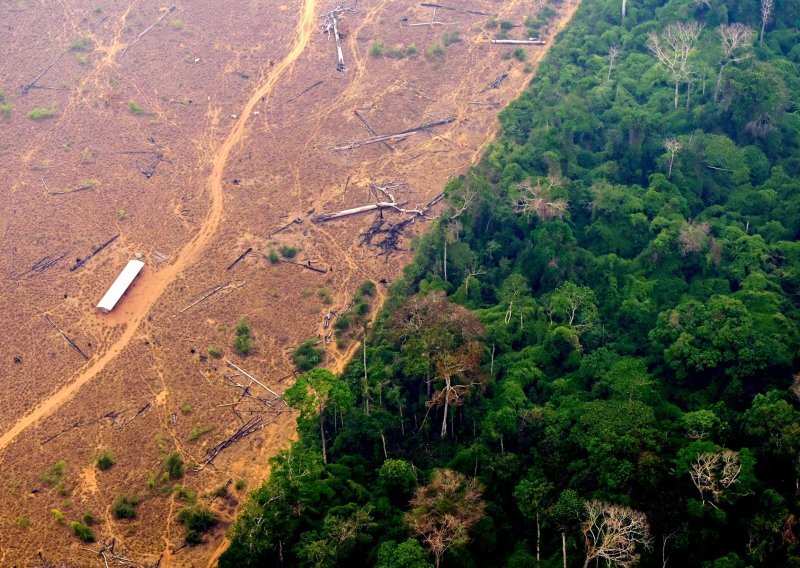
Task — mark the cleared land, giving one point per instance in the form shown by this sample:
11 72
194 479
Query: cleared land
211 102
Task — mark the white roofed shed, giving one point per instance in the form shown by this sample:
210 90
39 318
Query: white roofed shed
120 285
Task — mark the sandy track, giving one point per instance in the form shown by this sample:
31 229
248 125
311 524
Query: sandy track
139 305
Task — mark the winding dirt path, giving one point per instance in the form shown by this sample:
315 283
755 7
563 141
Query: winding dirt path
154 284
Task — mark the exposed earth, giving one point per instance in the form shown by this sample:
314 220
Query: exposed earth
214 96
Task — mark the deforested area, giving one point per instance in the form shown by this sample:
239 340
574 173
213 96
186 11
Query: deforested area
202 202
593 359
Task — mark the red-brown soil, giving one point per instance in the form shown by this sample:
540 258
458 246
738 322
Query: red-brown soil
210 87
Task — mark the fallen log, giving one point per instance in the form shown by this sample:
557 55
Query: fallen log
154 24
304 91
519 41
240 258
244 373
81 261
67 339
306 266
355 211
46 264
27 87
371 131
496 83
249 427
148 173
401 134
211 292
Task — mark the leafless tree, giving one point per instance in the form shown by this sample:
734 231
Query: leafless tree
673 49
459 374
538 200
444 511
714 472
761 126
613 53
470 273
767 11
624 8
693 237
736 41
672 146
613 533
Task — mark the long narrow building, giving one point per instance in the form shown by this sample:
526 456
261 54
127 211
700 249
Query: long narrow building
120 285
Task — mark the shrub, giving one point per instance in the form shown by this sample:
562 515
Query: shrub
342 323
5 109
434 50
450 39
81 59
411 50
184 493
80 44
58 516
377 49
491 24
82 532
243 341
198 432
173 464
124 507
221 491
367 288
505 25
288 252
215 352
185 408
176 24
42 113
104 461
395 53
326 296
135 108
307 356
519 53
273 256
87 519
55 475
22 521
197 518
240 484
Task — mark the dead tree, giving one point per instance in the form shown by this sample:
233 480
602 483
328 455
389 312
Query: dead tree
148 173
529 41
736 41
251 426
767 11
613 532
402 134
304 91
154 24
46 263
434 21
673 49
240 258
714 472
496 83
613 53
371 131
672 146
330 27
65 338
538 200
81 261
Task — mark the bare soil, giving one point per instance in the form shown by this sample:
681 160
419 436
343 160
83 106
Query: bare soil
213 89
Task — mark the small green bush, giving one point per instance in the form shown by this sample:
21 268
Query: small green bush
242 342
173 464
87 519
435 50
135 108
5 109
124 507
184 493
215 352
506 25
325 295
42 113
197 518
395 53
519 53
176 25
240 484
58 516
221 491
288 252
411 50
273 256
82 532
377 49
185 408
22 521
198 432
81 59
104 461
451 38
367 288
307 356
342 323
55 474
80 44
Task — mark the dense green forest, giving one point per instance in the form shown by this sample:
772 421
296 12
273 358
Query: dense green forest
594 356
